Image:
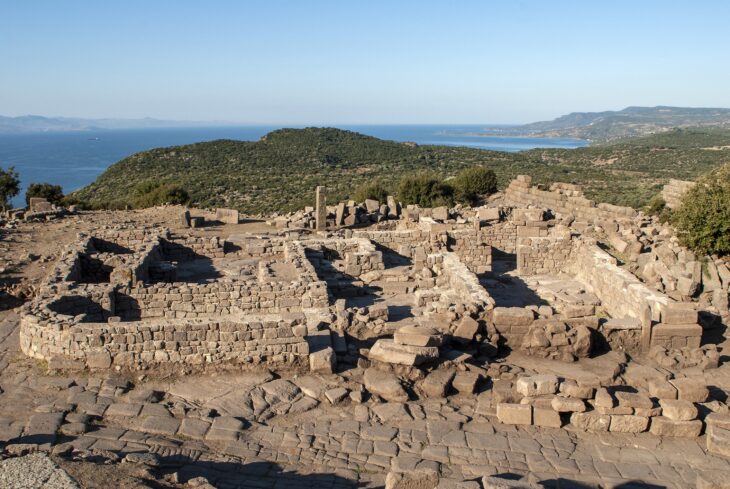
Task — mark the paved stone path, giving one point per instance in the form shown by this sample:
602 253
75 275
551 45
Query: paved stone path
324 446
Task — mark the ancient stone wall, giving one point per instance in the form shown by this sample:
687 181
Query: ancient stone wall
621 293
146 344
563 198
542 250
673 192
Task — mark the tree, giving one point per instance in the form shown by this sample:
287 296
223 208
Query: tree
374 189
9 186
52 193
426 190
703 218
473 183
152 193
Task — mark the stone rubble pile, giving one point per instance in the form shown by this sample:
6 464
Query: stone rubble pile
706 357
668 408
411 345
548 338
348 213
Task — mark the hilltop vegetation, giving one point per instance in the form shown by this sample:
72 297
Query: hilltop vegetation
279 172
630 122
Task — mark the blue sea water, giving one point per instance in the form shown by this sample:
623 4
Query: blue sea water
75 159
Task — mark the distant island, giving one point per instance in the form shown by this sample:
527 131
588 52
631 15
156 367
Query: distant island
614 125
37 123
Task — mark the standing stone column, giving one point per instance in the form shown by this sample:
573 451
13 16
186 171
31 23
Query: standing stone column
321 208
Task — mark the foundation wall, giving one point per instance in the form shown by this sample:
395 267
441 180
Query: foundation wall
196 342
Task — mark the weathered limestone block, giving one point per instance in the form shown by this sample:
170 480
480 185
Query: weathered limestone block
718 434
386 350
664 426
661 389
691 389
385 385
633 400
590 421
465 382
547 418
416 335
568 405
466 329
628 423
520 414
575 390
512 316
323 360
537 385
678 409
228 216
438 383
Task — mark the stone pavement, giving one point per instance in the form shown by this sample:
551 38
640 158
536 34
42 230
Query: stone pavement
323 446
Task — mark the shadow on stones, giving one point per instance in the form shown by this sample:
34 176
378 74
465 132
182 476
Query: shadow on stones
248 475
74 305
127 307
339 284
105 246
508 290
391 258
190 266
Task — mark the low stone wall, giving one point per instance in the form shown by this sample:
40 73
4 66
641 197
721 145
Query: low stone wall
621 293
543 250
469 242
146 344
673 192
563 198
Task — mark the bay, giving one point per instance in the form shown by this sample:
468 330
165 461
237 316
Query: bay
75 159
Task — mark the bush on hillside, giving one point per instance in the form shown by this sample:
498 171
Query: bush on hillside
374 189
9 186
52 193
473 183
152 193
426 190
703 218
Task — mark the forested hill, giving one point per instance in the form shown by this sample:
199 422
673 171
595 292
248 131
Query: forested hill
279 172
629 122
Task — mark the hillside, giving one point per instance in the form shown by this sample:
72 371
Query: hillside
629 122
280 171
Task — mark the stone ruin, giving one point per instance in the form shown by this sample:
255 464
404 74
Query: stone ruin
535 306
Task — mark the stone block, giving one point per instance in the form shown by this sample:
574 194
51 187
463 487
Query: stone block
98 360
440 213
416 335
633 400
678 409
691 389
386 350
662 389
520 414
537 385
591 421
568 405
663 426
628 423
679 313
466 329
323 360
512 316
227 216
573 389
465 382
546 417
488 214
385 385
604 399
438 383
718 441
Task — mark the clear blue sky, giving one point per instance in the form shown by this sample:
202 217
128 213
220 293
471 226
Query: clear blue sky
328 62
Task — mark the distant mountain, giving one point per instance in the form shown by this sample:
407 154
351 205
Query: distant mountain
37 123
629 122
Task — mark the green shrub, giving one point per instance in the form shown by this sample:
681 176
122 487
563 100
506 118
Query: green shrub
426 190
374 189
9 186
473 183
151 193
655 206
52 193
703 218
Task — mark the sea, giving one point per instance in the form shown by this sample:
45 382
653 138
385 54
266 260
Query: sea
75 159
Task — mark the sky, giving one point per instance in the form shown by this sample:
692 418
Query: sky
359 62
